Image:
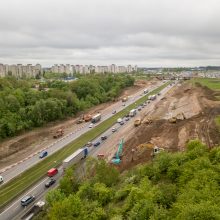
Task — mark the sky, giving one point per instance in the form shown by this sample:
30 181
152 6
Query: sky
147 33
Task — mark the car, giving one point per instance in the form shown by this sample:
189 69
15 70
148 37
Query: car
126 119
27 200
145 104
119 120
104 138
43 154
123 104
91 125
127 116
89 144
50 183
1 179
114 112
114 129
139 108
97 144
121 123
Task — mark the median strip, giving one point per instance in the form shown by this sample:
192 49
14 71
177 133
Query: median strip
25 180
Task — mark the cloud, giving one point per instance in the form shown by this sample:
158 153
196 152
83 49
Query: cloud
143 32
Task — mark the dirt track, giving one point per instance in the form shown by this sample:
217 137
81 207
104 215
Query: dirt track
17 148
199 106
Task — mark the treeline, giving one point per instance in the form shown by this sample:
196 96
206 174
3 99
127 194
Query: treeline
174 186
23 106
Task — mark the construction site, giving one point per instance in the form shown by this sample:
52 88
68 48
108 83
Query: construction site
185 113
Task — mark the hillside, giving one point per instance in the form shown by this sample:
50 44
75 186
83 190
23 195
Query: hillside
183 185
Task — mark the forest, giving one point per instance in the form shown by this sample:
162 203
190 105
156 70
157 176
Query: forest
25 104
182 186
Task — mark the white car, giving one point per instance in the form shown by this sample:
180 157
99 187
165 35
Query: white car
114 129
91 125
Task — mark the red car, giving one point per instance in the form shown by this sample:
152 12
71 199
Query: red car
52 172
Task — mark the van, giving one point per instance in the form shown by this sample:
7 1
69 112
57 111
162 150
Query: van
1 179
52 172
27 200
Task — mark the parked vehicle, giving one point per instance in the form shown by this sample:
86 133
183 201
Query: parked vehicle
132 113
97 144
1 179
43 154
59 133
96 118
104 138
52 172
27 200
75 157
50 183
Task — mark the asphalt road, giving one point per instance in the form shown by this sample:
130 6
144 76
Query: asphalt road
16 211
63 141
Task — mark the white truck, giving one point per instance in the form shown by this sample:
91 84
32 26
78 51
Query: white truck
75 157
96 118
132 113
152 97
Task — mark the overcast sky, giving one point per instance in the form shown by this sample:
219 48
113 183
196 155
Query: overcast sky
150 33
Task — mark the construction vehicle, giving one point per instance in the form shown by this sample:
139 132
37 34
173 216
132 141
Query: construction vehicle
59 133
34 210
117 158
179 116
147 121
137 122
154 149
80 120
124 99
87 118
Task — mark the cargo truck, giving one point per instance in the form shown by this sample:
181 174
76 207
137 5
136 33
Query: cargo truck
145 91
132 113
75 157
152 97
96 118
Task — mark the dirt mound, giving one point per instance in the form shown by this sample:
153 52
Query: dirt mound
200 107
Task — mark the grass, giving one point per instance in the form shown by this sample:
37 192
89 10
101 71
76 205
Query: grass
213 84
25 180
217 122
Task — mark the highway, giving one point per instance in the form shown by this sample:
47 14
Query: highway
16 211
63 141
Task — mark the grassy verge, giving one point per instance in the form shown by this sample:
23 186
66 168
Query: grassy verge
217 122
213 84
26 179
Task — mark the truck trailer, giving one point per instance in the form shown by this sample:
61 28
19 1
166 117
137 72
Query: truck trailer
75 157
96 118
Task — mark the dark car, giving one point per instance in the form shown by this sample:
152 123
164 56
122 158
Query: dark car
43 154
27 200
126 119
103 138
50 183
97 144
121 123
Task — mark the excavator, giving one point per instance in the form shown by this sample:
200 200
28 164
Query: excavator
116 160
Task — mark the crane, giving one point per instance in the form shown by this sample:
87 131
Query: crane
118 154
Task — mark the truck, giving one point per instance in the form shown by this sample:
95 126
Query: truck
34 210
132 113
137 122
96 118
75 157
52 172
59 133
146 91
87 118
119 120
152 97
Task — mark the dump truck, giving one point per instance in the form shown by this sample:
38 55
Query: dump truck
137 122
33 211
59 133
96 118
125 99
87 118
75 157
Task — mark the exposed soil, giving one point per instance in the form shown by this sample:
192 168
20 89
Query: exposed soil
18 148
199 107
